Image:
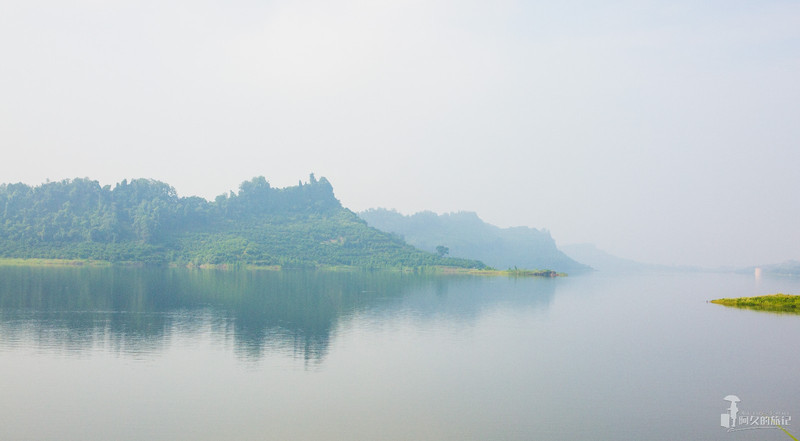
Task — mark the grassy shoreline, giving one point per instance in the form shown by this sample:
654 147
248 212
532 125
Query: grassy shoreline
786 303
13 261
443 270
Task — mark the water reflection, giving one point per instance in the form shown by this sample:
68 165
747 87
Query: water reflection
140 310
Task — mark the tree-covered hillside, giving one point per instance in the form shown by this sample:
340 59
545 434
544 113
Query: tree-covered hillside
465 234
145 221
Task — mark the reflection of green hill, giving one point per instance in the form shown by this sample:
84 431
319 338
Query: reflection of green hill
294 312
138 307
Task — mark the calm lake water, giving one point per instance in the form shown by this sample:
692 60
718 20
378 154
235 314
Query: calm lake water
175 354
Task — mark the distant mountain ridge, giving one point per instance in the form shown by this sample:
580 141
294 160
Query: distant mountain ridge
467 236
787 268
605 262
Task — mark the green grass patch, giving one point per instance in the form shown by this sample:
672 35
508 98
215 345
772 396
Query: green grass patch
774 303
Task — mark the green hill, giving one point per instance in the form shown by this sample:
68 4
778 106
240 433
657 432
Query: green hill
464 234
145 221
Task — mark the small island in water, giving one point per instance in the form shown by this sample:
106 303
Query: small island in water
773 303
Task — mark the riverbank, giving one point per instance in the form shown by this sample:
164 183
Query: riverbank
772 303
443 270
10 261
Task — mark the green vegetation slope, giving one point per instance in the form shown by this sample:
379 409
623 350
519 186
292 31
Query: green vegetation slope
145 221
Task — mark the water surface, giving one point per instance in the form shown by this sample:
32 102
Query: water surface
167 354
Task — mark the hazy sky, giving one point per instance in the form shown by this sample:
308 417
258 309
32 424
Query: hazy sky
663 131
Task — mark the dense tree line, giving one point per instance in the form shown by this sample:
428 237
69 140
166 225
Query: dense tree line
145 220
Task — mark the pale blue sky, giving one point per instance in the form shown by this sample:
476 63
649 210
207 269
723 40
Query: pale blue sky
663 131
